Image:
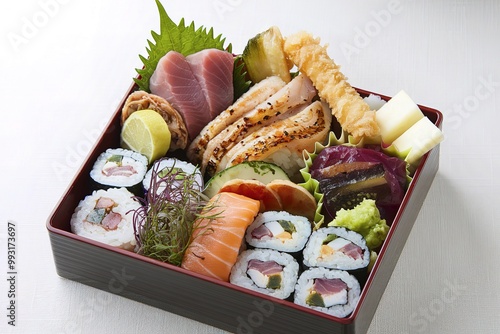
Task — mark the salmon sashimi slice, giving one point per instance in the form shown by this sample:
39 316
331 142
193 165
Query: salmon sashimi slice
216 242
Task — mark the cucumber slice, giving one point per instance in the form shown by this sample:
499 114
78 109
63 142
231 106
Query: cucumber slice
264 172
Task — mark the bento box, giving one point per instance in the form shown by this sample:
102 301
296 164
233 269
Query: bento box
214 302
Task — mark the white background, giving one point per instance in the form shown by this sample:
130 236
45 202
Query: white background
65 65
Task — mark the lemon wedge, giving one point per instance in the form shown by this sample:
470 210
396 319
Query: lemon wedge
146 132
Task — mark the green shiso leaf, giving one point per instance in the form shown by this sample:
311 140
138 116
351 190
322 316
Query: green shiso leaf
185 40
240 82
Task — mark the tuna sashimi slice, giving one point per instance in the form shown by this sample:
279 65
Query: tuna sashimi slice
352 250
329 286
265 267
175 81
111 221
214 71
125 170
104 203
261 231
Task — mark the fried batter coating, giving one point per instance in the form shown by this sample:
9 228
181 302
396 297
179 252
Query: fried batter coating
351 111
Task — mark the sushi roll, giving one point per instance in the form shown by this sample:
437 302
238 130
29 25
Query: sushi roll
164 166
266 271
336 248
120 168
279 230
331 291
106 216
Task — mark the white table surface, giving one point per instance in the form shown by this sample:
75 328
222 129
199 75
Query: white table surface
65 65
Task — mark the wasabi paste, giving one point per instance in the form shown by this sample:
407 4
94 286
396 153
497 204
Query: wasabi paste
364 219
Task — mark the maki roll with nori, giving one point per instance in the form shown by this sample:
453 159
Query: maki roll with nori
107 216
331 291
177 168
336 248
279 230
266 271
120 168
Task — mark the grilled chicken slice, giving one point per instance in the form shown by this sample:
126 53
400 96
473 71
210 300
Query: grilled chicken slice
283 142
299 91
248 101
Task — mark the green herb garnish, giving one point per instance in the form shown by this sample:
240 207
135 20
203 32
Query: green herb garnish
96 216
274 282
287 226
315 299
185 40
166 220
329 238
116 159
240 82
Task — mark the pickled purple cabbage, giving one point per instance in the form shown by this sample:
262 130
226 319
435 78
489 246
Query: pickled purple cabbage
395 171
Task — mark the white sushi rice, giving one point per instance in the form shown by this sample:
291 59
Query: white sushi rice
240 277
297 241
169 163
305 284
314 258
123 236
374 101
130 158
290 161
